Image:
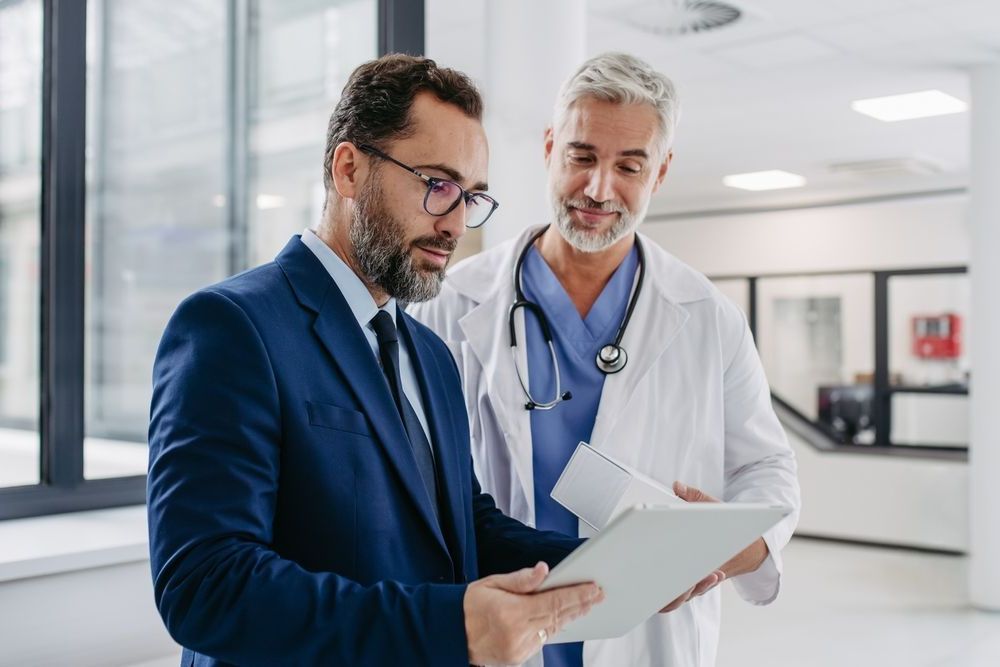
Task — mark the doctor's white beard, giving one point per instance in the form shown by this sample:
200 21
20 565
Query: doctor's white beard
585 240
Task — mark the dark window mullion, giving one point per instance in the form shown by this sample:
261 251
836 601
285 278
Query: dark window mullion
63 238
237 134
881 397
401 27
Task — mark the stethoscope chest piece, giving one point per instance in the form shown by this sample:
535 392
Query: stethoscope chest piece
612 358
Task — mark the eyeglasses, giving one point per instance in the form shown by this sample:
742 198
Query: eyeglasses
443 195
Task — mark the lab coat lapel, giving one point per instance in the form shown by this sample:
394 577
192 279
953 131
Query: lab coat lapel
487 332
654 326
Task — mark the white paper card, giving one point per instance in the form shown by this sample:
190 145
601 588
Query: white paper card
597 488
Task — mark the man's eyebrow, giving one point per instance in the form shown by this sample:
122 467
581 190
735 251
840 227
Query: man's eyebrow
452 174
632 152
635 152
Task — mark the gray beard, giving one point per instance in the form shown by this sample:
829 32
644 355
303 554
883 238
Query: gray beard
586 241
382 255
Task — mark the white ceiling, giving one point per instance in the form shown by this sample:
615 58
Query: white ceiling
773 90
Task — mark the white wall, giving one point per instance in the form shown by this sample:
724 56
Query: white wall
881 499
928 231
101 617
76 589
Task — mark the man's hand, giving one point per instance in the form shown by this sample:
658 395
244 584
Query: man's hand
745 561
507 622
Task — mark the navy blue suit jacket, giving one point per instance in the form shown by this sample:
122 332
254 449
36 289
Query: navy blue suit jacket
288 522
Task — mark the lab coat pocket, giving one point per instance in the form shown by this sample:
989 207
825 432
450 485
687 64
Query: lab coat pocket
327 415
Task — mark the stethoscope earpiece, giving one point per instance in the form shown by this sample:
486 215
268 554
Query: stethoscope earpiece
611 358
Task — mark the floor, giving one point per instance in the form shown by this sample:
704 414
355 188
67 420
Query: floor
852 605
846 605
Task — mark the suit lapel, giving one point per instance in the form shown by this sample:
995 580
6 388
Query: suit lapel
338 332
440 410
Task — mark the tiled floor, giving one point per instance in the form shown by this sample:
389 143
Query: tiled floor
859 606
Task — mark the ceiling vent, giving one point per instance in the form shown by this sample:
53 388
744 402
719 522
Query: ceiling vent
908 166
677 17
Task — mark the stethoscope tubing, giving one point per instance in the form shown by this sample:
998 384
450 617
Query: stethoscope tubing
617 354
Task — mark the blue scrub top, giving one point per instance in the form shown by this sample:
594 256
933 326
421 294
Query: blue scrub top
555 433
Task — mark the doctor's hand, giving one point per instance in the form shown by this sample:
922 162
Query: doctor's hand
702 587
745 561
507 622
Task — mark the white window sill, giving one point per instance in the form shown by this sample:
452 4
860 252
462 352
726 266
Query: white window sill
70 542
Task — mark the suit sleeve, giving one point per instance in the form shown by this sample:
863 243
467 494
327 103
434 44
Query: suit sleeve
222 590
759 463
505 544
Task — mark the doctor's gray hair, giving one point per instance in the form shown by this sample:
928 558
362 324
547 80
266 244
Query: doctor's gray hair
622 79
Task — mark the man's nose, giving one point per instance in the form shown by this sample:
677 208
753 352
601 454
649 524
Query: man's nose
452 225
600 186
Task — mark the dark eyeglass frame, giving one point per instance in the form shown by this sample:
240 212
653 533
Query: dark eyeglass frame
431 181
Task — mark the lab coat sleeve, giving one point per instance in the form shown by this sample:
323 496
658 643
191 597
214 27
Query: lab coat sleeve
759 463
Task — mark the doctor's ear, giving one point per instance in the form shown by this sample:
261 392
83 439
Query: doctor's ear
547 142
348 169
662 173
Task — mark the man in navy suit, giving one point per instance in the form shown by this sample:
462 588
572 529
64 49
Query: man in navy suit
311 492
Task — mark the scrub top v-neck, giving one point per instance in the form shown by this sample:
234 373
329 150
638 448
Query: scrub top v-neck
555 433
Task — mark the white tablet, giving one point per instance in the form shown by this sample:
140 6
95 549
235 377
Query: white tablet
649 555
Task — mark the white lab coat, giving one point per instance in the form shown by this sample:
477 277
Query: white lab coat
692 404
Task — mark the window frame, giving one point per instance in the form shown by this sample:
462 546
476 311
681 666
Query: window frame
62 486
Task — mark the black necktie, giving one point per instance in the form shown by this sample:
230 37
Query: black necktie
388 350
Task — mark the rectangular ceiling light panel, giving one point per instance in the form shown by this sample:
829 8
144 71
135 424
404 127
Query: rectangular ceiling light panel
911 105
772 179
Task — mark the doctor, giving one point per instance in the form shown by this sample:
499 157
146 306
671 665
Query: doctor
585 330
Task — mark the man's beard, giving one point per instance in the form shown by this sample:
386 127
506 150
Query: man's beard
383 253
586 240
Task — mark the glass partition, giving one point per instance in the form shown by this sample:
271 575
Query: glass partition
206 131
20 198
869 358
929 366
815 337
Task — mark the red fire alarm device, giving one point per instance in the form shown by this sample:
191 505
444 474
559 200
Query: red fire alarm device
937 336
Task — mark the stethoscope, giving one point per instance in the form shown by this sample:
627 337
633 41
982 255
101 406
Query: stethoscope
610 359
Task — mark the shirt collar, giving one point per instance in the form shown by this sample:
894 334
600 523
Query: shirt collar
358 297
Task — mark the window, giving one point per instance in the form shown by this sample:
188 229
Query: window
20 198
184 143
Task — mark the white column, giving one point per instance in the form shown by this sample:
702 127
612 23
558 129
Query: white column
531 47
984 267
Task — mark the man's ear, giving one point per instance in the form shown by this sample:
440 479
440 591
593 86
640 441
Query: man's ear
548 141
347 169
663 171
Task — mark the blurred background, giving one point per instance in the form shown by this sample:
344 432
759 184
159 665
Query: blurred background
834 173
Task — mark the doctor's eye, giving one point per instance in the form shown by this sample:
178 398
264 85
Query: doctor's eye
630 168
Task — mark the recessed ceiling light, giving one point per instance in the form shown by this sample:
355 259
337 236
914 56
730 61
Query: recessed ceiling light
911 105
773 179
267 202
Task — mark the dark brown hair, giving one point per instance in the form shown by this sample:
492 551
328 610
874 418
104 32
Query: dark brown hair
375 104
